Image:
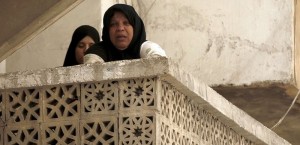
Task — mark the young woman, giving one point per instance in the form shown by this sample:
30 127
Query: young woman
83 38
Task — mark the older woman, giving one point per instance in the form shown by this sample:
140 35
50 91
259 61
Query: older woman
83 38
123 36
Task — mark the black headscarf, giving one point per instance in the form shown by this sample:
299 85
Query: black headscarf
106 50
79 34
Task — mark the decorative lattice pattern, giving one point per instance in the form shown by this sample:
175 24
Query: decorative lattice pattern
25 136
23 106
138 93
171 137
61 102
62 133
2 119
99 98
100 131
137 130
190 118
110 112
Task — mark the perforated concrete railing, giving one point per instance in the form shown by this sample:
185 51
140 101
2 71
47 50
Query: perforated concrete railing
135 111
148 107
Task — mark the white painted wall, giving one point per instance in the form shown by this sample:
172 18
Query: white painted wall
221 42
3 67
225 42
48 49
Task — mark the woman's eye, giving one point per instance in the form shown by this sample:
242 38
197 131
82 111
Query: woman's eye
126 23
113 24
80 45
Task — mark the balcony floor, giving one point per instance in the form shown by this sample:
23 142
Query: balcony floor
268 105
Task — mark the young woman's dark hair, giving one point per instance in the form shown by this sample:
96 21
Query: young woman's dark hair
78 35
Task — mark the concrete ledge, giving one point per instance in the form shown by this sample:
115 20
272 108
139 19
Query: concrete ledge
164 68
85 73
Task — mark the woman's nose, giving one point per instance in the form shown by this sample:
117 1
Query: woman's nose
120 27
86 47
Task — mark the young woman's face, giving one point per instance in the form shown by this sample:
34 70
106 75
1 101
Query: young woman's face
81 47
120 31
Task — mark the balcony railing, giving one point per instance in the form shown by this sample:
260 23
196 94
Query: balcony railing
147 101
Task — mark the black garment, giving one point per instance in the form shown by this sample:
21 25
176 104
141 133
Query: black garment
79 34
106 50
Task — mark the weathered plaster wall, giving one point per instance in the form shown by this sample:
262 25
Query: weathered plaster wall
48 49
225 42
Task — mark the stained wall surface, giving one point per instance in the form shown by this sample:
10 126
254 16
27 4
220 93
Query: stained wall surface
225 42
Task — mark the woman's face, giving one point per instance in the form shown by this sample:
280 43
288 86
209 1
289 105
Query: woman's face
81 47
120 31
